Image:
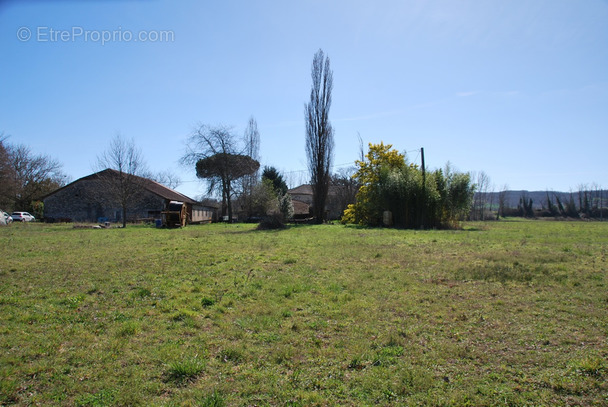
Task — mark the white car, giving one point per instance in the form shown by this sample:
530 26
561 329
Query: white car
5 218
22 217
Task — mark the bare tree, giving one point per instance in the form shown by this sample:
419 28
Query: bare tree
502 200
7 176
585 198
345 187
481 196
167 178
204 142
491 194
26 177
319 132
601 203
596 198
216 155
361 148
252 149
122 184
252 139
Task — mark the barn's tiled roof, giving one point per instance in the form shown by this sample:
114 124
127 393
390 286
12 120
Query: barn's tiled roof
152 186
305 189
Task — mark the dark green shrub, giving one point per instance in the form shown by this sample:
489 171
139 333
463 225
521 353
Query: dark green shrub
273 222
207 302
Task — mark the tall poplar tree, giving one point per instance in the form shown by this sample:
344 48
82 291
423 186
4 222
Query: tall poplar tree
319 133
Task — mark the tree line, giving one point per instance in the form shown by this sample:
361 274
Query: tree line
587 201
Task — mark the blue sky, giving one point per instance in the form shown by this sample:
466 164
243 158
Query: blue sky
518 89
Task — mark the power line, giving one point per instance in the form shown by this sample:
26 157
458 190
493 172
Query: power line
417 155
342 165
306 170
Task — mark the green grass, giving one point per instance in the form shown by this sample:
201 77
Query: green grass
504 313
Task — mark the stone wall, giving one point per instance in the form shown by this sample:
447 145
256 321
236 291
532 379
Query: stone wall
85 201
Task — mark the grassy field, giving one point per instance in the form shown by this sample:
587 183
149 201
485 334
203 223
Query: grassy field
506 313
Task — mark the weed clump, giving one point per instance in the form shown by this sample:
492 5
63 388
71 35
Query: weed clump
592 366
214 399
185 369
101 398
231 355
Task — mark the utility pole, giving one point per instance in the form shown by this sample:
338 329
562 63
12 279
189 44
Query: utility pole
423 169
423 208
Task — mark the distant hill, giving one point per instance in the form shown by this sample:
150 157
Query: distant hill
539 198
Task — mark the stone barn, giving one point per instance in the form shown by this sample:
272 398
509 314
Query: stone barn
301 199
93 199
